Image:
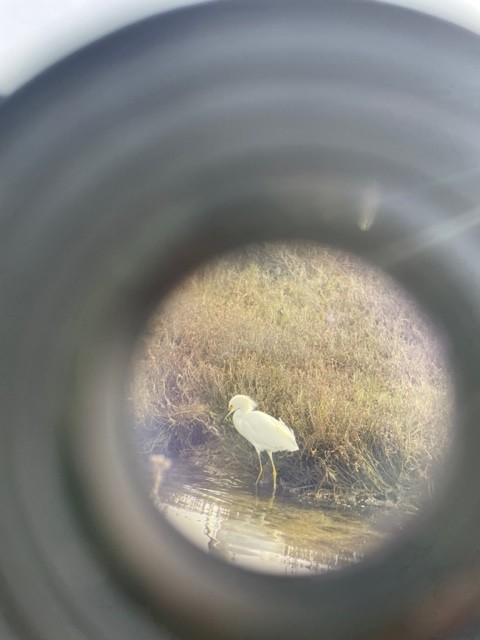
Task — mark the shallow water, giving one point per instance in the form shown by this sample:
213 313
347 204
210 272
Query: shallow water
251 528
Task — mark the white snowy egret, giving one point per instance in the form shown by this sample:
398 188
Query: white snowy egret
263 431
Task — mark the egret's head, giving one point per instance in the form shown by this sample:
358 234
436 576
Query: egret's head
244 403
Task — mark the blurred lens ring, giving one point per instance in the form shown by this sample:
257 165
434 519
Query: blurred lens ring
199 139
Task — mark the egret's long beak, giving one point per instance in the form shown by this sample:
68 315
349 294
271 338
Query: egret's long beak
232 409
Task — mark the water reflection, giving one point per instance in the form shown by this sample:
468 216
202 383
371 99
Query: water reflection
265 534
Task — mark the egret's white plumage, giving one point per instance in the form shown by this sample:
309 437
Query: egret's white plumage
263 431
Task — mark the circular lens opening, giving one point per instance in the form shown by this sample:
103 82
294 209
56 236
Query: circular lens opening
326 366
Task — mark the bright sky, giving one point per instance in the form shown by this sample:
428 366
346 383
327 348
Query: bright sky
34 33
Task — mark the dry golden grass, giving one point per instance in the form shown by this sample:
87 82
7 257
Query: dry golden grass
316 337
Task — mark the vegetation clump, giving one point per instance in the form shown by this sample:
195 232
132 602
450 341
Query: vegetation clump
318 338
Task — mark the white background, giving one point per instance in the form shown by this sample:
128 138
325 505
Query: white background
34 33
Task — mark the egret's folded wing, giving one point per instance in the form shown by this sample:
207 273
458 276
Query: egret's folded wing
271 433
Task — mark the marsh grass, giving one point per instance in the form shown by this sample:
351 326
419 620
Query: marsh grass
316 337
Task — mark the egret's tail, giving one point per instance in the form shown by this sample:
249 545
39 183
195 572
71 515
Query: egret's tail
293 445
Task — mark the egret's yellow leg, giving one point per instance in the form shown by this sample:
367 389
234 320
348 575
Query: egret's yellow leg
261 467
274 471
